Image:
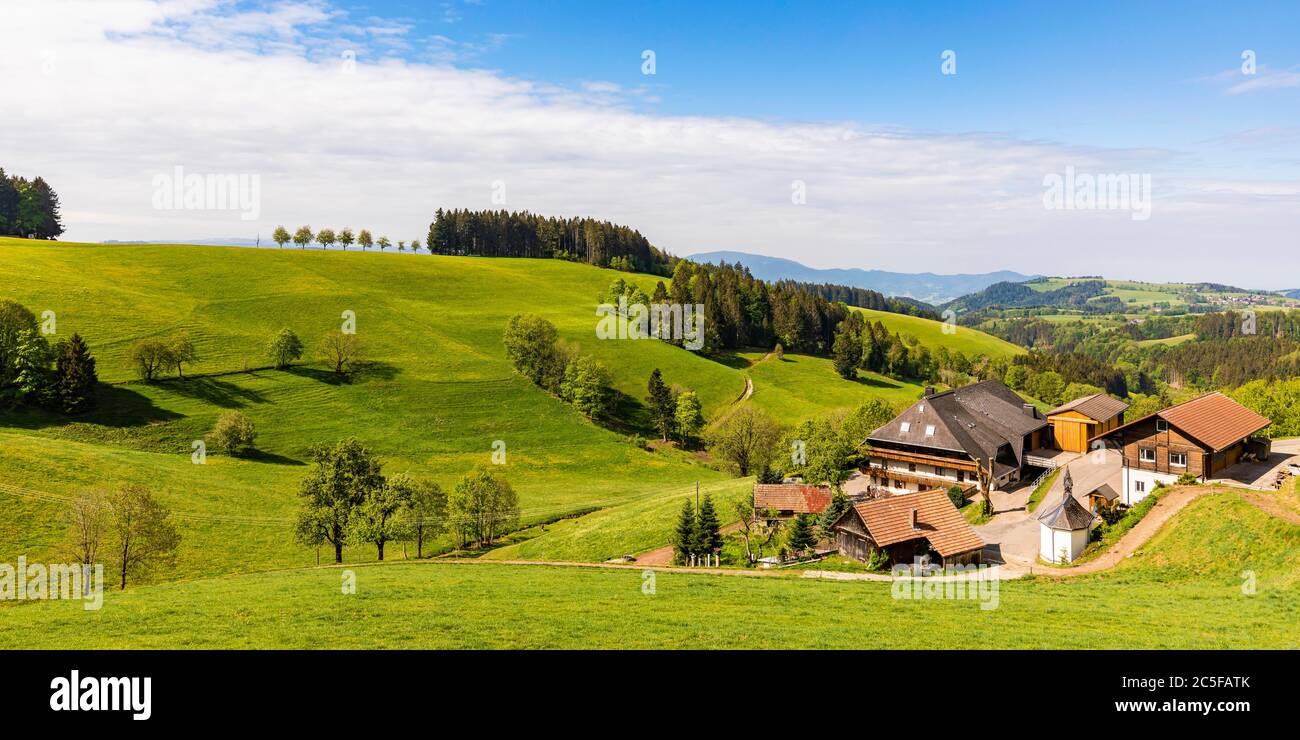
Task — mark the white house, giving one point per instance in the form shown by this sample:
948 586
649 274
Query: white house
1063 530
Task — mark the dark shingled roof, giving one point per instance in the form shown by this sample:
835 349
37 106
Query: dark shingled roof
976 419
1098 407
1069 514
1105 491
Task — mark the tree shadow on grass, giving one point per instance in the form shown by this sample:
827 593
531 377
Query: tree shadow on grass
732 360
872 382
362 373
213 390
115 406
270 458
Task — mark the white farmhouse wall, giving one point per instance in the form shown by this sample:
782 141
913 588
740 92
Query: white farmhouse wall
1132 476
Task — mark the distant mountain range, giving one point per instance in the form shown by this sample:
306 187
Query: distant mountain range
922 286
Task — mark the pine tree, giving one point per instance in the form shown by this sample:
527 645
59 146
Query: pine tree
708 537
684 533
75 375
801 534
839 504
663 408
32 360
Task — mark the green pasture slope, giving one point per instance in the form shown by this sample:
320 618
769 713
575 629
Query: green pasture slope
1184 590
441 390
929 332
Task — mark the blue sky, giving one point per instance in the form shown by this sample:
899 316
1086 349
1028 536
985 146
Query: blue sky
1108 74
375 114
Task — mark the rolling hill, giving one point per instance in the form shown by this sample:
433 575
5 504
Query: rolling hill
438 393
924 286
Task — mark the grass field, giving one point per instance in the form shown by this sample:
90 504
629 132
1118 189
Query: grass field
438 393
1184 590
928 332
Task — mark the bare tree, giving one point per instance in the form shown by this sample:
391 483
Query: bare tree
88 522
341 351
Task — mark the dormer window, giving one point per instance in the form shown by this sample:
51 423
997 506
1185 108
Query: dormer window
905 427
920 408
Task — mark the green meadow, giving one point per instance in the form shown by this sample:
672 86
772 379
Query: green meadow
930 333
1184 590
437 394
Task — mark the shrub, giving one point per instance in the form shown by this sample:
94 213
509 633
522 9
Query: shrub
957 498
234 433
284 348
1187 479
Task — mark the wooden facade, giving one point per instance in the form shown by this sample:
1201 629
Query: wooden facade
1156 446
1072 431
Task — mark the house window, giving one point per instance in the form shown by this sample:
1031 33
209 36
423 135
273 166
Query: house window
961 476
905 427
940 471
1147 454
1178 459
911 467
1162 425
929 430
899 484
1140 486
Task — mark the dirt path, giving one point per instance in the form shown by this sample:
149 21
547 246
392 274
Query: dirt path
664 555
1136 537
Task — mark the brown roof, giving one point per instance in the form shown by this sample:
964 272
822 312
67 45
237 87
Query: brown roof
796 497
1098 406
889 520
1214 420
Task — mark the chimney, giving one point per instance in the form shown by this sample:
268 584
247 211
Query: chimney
929 391
915 524
1030 411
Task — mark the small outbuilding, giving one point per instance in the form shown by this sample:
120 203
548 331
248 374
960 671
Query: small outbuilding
1063 531
922 525
1076 423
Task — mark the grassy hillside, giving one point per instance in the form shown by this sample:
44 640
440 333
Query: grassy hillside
439 393
1182 591
930 333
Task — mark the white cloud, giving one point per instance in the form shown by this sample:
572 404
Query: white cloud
103 95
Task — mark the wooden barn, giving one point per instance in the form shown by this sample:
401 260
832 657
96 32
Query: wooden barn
1078 422
922 525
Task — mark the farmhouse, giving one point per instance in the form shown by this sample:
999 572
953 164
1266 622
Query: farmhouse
1200 437
788 500
922 525
975 437
1076 423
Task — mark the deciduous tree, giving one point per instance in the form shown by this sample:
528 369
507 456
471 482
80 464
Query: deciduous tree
341 479
143 537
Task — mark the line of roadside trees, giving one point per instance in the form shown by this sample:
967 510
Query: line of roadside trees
344 237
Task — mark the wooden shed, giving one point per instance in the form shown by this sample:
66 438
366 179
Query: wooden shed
922 525
1078 422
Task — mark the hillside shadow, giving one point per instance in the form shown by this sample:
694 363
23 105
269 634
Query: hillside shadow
629 416
115 406
213 390
732 360
877 383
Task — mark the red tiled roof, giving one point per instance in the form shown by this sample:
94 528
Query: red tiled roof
1213 420
796 497
889 520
